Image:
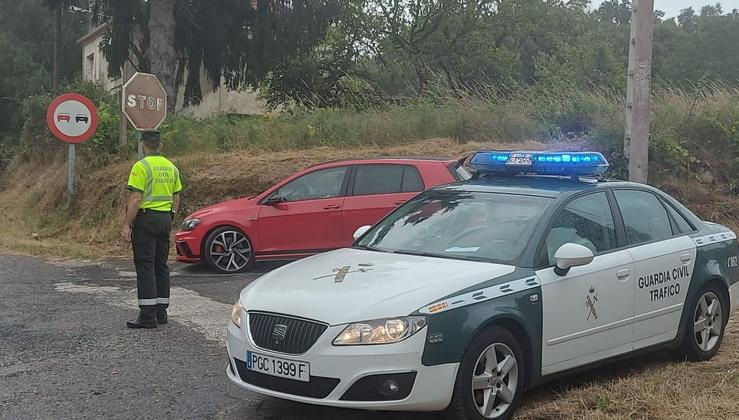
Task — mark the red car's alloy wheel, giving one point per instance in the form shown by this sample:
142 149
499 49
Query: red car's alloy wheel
229 251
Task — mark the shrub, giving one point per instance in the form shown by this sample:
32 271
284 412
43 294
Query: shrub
37 142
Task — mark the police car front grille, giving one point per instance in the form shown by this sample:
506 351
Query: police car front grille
284 334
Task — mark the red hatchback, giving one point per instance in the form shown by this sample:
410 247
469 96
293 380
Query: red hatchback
312 211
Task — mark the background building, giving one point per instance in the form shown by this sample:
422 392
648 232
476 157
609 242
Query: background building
218 101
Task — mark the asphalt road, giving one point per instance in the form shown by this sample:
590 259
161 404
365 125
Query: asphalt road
65 351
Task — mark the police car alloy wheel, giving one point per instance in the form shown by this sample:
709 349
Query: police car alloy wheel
705 330
471 293
490 377
227 250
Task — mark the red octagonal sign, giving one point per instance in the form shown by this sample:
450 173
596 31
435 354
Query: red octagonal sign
144 101
72 118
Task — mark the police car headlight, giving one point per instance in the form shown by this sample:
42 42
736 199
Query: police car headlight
380 331
236 313
190 224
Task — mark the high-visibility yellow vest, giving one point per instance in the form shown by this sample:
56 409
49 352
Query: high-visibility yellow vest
157 179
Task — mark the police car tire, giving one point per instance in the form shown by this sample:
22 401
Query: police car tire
690 349
209 259
462 405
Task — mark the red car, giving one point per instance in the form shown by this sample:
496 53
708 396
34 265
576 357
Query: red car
312 211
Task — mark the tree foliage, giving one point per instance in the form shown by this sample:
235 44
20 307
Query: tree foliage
26 41
404 46
237 41
358 53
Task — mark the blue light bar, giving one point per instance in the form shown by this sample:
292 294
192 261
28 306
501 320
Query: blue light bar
542 163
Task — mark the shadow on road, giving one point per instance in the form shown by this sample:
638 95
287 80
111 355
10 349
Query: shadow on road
259 268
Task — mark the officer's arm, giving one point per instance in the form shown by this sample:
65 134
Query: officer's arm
176 203
134 200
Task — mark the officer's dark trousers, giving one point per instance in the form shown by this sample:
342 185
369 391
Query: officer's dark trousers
150 241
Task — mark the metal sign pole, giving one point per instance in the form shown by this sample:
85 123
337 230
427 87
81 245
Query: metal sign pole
71 157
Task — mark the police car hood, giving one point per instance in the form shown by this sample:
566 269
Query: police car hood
354 285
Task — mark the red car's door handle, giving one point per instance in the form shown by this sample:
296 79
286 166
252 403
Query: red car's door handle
332 207
397 203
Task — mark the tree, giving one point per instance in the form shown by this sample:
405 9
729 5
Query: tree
433 35
237 40
26 61
160 52
614 11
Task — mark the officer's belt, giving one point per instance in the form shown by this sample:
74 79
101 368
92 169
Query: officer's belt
144 211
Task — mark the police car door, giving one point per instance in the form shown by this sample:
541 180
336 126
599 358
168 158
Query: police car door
587 313
663 265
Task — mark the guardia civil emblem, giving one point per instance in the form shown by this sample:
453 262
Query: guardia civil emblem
341 272
590 300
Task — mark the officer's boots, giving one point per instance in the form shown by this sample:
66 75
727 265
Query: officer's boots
147 318
161 315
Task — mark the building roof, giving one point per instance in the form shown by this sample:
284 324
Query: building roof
94 34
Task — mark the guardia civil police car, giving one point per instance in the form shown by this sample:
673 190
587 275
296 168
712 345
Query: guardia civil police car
473 292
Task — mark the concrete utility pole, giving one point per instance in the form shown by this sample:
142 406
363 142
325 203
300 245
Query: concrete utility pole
639 90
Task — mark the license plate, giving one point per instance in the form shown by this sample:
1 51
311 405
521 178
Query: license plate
284 368
519 159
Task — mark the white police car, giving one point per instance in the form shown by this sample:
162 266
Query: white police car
473 292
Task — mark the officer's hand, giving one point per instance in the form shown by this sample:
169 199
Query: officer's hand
126 233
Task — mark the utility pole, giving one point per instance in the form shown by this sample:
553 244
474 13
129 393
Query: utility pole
639 90
56 71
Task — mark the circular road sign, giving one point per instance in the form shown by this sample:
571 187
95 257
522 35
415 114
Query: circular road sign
144 101
72 118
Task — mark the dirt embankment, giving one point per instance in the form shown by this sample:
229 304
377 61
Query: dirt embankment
39 223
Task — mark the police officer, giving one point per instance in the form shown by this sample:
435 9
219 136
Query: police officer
154 183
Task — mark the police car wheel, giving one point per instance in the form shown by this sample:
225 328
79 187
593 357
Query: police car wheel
227 250
490 379
706 323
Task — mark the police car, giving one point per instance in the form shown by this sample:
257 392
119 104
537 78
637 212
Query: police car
473 292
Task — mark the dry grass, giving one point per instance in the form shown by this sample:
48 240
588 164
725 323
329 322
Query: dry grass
40 223
652 386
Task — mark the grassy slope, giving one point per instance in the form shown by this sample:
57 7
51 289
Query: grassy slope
39 222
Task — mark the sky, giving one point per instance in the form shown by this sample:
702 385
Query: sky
672 7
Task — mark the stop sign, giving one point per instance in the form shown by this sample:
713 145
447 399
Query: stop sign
144 101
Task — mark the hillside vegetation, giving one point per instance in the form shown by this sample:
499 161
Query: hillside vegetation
694 149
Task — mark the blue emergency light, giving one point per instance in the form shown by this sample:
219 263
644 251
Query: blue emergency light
541 163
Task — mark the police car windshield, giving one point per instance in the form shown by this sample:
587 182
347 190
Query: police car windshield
477 226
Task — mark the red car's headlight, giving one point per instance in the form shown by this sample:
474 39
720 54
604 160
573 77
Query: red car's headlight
190 224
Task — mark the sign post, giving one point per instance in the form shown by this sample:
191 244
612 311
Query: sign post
73 119
144 102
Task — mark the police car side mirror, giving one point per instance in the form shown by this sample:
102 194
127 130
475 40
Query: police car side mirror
361 231
571 255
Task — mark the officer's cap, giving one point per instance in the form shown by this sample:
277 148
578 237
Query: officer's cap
151 137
